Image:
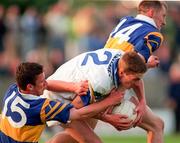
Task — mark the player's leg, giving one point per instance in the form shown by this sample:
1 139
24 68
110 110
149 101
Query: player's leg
154 126
81 131
77 131
62 137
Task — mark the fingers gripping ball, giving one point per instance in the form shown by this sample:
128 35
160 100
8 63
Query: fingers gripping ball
126 108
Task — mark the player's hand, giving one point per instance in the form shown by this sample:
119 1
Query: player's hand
120 122
153 61
116 96
81 88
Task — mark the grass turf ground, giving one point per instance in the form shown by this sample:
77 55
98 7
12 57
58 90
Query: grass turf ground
136 139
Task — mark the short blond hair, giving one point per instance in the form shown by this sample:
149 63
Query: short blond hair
134 63
145 5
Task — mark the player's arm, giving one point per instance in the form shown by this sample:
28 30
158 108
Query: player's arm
138 88
147 46
120 122
80 88
93 109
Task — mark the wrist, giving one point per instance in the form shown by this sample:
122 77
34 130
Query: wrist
103 118
73 87
143 101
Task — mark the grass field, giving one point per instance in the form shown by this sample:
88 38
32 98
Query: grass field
168 139
136 139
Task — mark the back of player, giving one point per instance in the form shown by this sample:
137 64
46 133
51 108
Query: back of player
98 67
139 34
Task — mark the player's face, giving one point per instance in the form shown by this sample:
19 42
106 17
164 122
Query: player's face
160 17
127 80
40 84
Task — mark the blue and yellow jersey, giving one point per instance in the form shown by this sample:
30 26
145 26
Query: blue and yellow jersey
24 116
139 34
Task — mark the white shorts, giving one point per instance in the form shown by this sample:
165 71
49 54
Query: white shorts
129 93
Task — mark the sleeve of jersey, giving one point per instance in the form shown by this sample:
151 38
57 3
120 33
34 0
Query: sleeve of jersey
53 110
149 44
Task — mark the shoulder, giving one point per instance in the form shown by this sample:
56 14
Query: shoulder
11 88
155 35
155 39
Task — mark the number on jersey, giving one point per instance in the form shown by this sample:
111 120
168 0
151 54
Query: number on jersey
16 109
124 34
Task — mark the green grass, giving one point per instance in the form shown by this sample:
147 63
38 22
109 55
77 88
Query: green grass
136 139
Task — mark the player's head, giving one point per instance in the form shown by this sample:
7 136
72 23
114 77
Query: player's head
131 68
155 9
30 78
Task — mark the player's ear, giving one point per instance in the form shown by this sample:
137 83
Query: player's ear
121 73
30 87
150 12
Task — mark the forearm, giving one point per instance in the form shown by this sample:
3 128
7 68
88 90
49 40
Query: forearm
102 117
91 110
139 90
60 86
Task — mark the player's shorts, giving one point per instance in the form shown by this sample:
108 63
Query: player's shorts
129 93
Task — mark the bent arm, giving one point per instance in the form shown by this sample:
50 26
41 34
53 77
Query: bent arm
62 86
90 110
93 109
138 88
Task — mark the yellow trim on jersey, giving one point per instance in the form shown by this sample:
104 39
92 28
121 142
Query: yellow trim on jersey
43 114
150 47
91 94
156 34
54 108
113 44
60 109
23 134
47 103
153 42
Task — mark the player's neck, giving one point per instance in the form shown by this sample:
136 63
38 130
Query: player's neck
26 92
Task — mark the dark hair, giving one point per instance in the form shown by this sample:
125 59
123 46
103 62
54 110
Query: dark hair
26 73
145 5
134 63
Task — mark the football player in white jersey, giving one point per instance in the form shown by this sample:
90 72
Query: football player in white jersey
105 69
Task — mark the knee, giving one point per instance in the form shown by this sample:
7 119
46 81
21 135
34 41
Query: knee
159 124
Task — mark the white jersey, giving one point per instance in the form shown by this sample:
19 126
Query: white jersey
98 67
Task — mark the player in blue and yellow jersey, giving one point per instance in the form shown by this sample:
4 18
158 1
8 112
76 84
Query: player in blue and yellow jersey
140 33
25 113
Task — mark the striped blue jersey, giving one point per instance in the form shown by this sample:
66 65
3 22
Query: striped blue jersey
139 34
24 116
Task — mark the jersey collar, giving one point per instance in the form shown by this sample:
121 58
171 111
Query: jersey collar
29 96
146 19
115 76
